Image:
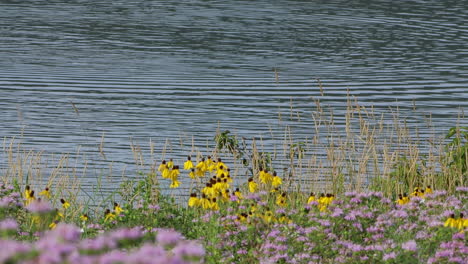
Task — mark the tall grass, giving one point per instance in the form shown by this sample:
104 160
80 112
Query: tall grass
358 150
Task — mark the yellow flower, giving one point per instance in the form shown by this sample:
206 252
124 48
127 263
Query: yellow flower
163 166
108 216
193 200
208 162
188 165
201 168
214 205
451 222
117 208
166 173
45 193
84 218
192 174
220 165
238 194
53 224
253 186
175 184
174 173
311 198
170 164
428 189
281 199
27 192
268 216
276 180
205 203
65 204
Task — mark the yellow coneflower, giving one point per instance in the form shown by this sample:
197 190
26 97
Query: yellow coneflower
27 192
276 181
451 222
53 224
45 193
268 216
30 198
193 200
253 186
281 199
428 189
253 208
174 184
65 204
238 193
311 198
214 204
192 173
220 164
461 222
284 219
188 165
401 200
175 172
205 202
117 208
162 166
405 198
208 162
170 164
201 168
108 215
84 218
242 217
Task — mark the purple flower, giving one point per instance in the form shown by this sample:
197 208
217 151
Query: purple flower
8 224
39 207
388 256
168 237
409 245
189 249
462 189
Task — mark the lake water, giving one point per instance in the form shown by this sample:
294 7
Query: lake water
137 70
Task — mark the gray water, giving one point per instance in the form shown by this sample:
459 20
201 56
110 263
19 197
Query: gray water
175 69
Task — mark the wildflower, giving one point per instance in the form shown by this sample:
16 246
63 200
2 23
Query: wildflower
84 218
276 180
281 199
174 184
242 217
65 204
214 204
238 194
170 164
39 207
451 222
108 215
311 198
162 166
220 164
193 200
265 177
45 193
205 202
461 222
27 192
401 200
188 165
192 173
428 189
201 168
268 216
253 186
410 245
53 224
117 209
30 198
208 162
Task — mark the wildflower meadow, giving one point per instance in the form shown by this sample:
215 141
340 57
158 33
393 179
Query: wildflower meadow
411 213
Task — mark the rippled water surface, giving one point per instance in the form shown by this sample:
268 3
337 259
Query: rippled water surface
137 70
